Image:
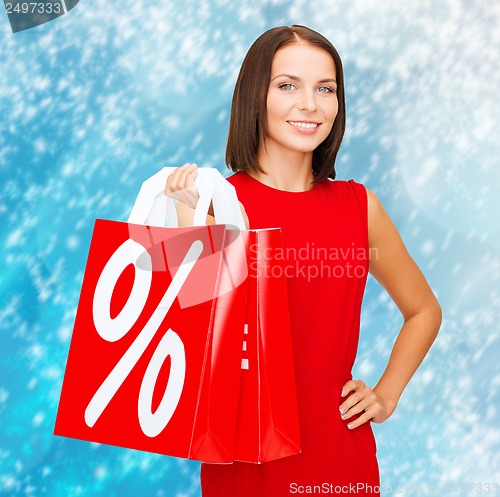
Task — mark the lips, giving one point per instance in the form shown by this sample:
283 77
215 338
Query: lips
304 124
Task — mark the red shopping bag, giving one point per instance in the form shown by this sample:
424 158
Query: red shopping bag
142 371
155 356
267 424
181 343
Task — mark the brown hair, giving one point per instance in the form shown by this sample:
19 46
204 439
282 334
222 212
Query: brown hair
248 123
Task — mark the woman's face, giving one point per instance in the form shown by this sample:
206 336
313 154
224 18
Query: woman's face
302 100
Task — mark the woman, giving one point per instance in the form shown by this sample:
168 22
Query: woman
286 127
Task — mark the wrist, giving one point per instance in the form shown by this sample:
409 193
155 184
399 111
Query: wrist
390 401
390 406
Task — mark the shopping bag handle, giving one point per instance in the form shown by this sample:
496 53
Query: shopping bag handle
154 208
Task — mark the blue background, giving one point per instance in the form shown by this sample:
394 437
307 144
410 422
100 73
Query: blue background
98 100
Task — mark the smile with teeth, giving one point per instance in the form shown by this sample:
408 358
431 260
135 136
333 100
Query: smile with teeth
303 125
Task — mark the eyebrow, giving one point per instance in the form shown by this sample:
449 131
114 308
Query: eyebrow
296 78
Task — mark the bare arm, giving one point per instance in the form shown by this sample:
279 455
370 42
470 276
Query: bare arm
398 273
393 267
185 215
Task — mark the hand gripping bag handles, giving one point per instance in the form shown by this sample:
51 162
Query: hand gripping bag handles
155 357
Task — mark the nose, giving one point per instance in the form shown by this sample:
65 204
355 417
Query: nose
307 101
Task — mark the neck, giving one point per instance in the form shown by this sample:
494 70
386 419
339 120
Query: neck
289 170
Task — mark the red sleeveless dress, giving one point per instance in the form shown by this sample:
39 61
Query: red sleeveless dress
325 239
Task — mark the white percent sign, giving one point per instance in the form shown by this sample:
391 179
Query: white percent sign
113 329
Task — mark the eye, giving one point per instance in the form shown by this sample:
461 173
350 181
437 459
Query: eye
328 89
283 85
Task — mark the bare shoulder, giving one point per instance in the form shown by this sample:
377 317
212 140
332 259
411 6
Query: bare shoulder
374 203
379 222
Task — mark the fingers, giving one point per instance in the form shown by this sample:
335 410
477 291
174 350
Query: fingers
357 402
352 385
347 408
177 180
180 185
366 416
361 401
187 175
